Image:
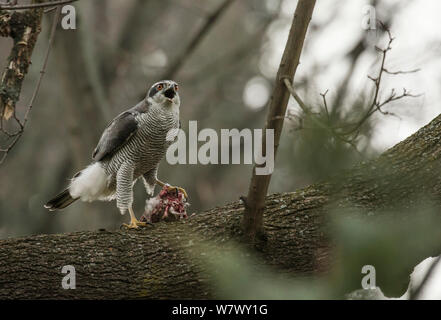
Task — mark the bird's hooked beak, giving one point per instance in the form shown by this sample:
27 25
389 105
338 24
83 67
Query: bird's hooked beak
170 93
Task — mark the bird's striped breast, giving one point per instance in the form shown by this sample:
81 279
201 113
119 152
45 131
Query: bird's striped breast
149 144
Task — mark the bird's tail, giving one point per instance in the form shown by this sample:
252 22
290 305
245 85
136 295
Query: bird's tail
60 201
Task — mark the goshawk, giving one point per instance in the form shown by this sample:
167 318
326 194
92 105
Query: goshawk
130 147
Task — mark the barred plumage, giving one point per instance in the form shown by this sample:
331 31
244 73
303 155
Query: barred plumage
131 146
144 151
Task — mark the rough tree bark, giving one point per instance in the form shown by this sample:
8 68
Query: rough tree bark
255 200
24 28
158 262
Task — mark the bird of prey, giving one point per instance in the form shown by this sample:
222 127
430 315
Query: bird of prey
131 147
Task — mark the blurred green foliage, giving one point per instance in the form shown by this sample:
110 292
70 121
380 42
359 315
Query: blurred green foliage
392 242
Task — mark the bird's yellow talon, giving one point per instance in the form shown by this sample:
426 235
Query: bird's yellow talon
134 224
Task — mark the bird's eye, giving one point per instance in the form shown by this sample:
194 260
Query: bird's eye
176 87
159 86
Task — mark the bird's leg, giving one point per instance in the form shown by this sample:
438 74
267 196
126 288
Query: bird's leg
169 187
134 223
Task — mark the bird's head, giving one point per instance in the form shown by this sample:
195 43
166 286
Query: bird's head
164 92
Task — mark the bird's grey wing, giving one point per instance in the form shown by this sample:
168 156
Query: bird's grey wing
116 135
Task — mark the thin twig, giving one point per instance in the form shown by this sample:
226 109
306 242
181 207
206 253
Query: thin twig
376 104
50 9
204 29
37 87
348 133
7 6
349 136
401 72
234 56
317 120
325 103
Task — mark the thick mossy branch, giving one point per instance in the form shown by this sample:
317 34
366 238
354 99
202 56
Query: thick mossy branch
24 28
159 262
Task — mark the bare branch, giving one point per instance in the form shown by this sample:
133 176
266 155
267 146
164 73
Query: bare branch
377 104
8 6
24 28
22 124
325 103
255 201
348 133
204 29
401 72
316 119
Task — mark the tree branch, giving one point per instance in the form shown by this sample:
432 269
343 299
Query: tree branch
160 262
203 30
16 136
349 132
254 204
24 28
7 6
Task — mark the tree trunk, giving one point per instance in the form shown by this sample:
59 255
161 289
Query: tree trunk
159 262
